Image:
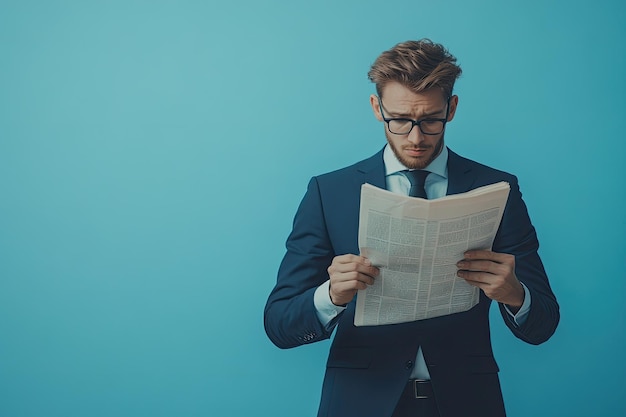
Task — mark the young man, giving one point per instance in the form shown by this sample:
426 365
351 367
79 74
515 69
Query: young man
437 367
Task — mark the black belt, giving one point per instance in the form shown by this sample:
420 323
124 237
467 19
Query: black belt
419 389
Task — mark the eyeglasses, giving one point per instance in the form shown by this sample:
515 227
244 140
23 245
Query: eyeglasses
403 126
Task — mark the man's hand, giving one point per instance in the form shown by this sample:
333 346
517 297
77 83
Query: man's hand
494 273
349 273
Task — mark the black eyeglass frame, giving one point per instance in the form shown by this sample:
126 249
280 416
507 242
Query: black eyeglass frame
417 123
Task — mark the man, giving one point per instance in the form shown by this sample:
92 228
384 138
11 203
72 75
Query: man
437 367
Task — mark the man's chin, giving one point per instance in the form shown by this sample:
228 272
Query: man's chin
416 162
414 157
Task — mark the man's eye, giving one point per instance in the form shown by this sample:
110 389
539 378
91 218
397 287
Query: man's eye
402 122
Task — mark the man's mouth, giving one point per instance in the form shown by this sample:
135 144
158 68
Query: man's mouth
416 151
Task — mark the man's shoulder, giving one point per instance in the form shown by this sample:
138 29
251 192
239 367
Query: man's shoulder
465 164
374 162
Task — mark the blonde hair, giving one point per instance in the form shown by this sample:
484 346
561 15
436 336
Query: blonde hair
417 65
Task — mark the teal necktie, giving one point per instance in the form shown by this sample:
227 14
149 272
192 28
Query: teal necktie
417 179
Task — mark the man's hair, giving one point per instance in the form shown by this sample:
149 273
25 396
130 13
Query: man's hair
418 66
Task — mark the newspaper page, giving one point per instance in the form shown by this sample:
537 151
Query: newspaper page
416 244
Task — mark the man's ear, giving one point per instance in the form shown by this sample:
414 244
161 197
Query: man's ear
454 102
376 107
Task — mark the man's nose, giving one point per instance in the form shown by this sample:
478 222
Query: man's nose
415 135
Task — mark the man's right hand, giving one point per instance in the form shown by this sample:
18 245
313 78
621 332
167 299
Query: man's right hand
349 273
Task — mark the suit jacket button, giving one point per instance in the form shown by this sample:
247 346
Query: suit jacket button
408 364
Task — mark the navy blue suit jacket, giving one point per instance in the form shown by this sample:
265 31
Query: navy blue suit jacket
368 367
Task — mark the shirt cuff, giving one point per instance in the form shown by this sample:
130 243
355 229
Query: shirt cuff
324 307
522 314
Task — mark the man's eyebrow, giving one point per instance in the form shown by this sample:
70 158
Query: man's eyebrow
409 116
395 114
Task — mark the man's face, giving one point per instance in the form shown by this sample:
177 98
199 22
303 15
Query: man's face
415 150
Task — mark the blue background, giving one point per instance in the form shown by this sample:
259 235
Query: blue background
153 154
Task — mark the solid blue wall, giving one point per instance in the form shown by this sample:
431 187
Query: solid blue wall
152 156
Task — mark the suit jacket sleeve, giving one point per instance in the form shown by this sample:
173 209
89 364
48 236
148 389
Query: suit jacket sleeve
290 318
517 236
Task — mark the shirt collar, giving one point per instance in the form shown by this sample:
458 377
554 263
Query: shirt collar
438 166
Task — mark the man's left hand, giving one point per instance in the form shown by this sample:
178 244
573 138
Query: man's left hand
494 273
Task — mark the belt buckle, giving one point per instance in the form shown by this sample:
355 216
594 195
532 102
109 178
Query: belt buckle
416 390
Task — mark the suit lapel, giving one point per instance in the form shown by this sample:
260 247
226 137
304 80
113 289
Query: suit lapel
460 178
372 171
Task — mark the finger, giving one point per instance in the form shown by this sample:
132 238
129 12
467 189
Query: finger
484 266
478 279
486 288
348 286
487 280
361 265
352 276
478 284
488 255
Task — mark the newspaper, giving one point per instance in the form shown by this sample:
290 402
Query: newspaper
416 244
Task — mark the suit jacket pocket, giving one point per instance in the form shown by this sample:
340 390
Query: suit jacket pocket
352 357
